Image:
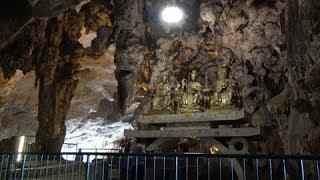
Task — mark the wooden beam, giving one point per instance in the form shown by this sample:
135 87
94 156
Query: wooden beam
221 115
221 132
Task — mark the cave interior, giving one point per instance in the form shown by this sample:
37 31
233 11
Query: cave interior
60 60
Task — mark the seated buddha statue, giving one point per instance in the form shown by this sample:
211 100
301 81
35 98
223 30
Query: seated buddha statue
224 90
162 100
191 97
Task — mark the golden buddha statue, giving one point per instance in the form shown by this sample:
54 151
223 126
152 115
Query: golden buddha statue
224 90
191 98
207 92
162 100
179 94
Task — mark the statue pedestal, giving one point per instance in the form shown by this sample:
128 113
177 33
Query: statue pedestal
190 125
221 115
194 124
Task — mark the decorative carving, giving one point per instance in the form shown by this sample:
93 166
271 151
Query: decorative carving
224 90
207 91
143 77
162 100
191 99
192 96
141 86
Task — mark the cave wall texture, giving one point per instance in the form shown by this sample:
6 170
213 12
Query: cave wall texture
271 46
50 48
247 36
296 108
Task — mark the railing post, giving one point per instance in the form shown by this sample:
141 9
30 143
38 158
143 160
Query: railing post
177 164
95 167
244 169
8 168
187 168
22 168
197 168
284 169
257 169
302 169
145 168
232 169
136 174
1 166
128 161
88 168
220 169
270 169
209 173
164 168
154 168
318 171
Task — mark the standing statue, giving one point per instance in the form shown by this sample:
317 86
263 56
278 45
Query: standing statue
207 92
191 98
180 94
162 100
225 89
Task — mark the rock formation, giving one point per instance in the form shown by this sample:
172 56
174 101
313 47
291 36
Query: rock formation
49 47
271 46
19 100
296 108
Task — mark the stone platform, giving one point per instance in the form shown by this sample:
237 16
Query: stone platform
193 124
218 116
217 132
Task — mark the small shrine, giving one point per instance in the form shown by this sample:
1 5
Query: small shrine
190 109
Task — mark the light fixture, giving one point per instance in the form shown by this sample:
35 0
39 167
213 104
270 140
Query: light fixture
20 147
172 14
214 149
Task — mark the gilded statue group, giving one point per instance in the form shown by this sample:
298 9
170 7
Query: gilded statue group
191 96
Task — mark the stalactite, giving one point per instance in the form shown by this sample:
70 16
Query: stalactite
50 47
130 49
58 84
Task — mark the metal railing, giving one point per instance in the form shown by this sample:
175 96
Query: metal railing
98 150
28 145
124 166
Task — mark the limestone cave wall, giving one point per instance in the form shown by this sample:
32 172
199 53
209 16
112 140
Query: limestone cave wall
296 108
272 48
50 48
248 36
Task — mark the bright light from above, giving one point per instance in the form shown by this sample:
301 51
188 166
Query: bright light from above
172 14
